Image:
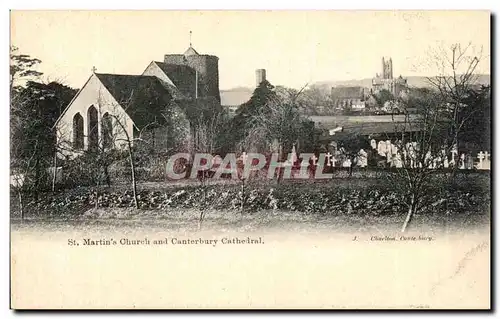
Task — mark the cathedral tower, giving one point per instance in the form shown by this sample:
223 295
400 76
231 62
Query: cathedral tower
387 69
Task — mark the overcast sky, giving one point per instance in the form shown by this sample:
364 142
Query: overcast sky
295 47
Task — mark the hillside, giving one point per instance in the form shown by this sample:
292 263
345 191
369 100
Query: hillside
240 95
415 81
235 96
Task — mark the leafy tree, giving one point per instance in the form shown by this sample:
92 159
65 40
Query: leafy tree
261 96
25 146
475 133
34 112
383 96
243 123
22 66
272 116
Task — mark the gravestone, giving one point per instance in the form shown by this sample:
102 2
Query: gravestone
462 161
445 162
394 149
484 161
397 161
469 161
388 151
454 153
428 159
381 148
487 161
294 155
328 157
347 163
373 144
362 158
314 160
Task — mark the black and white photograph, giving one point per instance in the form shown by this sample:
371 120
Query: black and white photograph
250 159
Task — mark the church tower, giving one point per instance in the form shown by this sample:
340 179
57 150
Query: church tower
206 67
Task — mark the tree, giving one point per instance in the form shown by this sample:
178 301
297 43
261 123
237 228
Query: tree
383 96
314 99
279 122
34 108
420 150
475 134
242 124
207 131
22 67
206 138
457 67
270 117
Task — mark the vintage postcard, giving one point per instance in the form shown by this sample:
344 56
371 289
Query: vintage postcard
250 159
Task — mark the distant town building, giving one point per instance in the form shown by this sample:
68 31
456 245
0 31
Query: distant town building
386 81
349 97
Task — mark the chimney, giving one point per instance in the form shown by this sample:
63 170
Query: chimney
260 76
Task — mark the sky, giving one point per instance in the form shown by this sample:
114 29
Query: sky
295 47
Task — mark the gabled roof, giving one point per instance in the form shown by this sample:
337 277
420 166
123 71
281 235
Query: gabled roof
347 92
190 51
183 77
372 129
144 98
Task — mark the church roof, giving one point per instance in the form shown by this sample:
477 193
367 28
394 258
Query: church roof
183 77
348 92
190 51
371 129
144 98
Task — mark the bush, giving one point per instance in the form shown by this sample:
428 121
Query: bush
325 198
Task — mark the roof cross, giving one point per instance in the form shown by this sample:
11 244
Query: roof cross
94 69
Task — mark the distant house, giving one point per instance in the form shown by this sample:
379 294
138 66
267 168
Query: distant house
349 97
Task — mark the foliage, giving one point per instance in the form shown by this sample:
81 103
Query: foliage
34 109
383 96
22 66
475 133
331 199
272 117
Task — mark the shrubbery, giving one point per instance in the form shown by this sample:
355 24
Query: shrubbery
326 198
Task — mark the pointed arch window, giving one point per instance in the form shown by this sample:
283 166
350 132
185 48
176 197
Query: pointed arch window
93 129
107 131
78 131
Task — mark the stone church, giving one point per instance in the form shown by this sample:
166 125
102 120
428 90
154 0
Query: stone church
111 109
